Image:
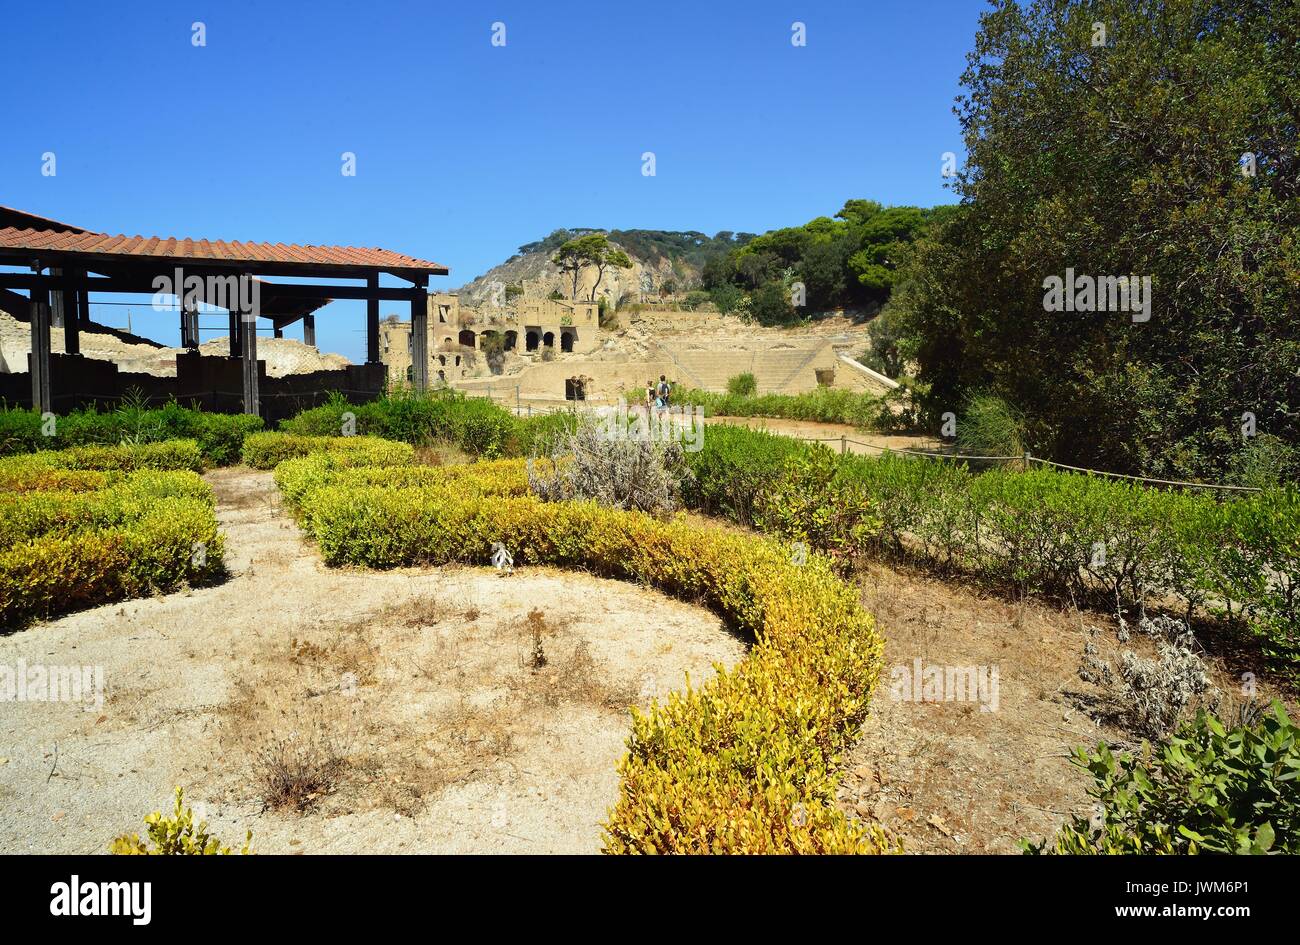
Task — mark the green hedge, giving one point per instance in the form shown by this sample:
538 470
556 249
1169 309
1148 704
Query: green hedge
219 436
743 764
30 470
269 449
823 405
27 515
1042 530
476 425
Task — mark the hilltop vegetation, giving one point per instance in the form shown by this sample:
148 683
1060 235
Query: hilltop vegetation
1164 146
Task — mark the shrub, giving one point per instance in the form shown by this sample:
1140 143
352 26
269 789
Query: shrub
733 468
154 552
823 405
267 450
989 427
219 436
745 763
810 504
171 454
1210 789
742 385
28 515
176 835
640 474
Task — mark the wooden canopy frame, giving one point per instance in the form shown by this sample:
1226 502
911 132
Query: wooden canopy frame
67 264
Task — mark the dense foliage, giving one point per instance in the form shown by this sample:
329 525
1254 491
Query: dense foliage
93 525
219 436
1209 789
825 405
849 261
1164 147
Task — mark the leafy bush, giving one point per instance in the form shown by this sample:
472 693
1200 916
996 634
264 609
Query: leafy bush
171 454
28 515
219 436
810 504
176 835
1209 790
640 474
823 405
989 427
1043 531
58 573
268 449
742 385
745 763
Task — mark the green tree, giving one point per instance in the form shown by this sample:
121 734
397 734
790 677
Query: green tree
1121 154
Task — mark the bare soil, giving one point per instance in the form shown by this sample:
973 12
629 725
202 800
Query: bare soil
972 776
418 710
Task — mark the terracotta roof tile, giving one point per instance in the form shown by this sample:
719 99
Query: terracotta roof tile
225 250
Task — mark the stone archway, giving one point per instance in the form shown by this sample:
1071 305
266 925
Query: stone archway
531 340
512 338
467 338
548 339
567 337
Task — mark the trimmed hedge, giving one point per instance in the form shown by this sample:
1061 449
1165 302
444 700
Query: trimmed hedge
1041 530
267 450
745 763
298 477
28 515
824 405
25 469
219 436
97 524
475 425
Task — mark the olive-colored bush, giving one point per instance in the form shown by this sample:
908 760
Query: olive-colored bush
268 449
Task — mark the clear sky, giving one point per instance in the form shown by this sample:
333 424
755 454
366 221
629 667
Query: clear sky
466 150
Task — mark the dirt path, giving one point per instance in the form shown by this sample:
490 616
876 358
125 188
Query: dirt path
406 702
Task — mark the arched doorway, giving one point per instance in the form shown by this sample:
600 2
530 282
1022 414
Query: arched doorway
531 340
512 337
467 338
567 337
548 339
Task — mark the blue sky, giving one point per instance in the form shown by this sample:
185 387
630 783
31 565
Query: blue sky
465 150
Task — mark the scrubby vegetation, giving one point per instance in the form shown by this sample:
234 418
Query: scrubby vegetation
1078 536
1210 789
94 525
824 405
476 425
176 835
219 436
643 475
268 449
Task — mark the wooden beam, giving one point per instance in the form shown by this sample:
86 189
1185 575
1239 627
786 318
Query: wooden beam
236 350
40 356
420 341
22 256
72 317
372 319
309 330
248 343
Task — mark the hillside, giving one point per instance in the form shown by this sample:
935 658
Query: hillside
660 258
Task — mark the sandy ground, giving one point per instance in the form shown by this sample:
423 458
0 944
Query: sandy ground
412 708
977 775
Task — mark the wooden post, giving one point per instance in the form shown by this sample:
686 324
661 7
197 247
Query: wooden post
236 348
309 330
248 342
277 331
40 356
372 319
419 338
57 302
72 313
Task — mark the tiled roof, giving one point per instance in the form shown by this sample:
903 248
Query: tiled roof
11 216
230 251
